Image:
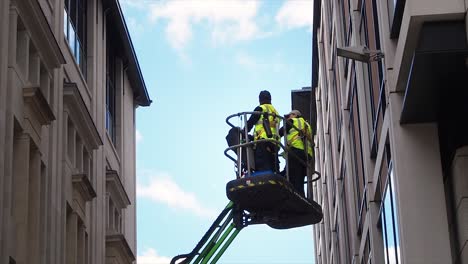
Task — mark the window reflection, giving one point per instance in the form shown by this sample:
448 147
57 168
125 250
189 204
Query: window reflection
389 221
74 27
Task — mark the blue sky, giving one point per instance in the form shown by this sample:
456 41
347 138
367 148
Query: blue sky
202 61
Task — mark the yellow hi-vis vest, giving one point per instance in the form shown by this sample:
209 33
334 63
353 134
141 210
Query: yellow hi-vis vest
299 133
273 117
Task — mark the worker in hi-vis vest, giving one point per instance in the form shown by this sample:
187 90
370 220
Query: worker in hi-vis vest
298 138
266 127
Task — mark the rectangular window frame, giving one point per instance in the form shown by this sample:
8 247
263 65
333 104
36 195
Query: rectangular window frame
76 31
388 217
358 158
111 89
374 71
395 16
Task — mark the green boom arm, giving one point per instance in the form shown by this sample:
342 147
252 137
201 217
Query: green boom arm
215 241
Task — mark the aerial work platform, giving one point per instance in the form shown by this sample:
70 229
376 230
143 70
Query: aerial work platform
270 199
256 197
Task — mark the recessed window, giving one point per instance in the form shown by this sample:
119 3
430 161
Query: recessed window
395 15
75 29
111 90
357 155
373 71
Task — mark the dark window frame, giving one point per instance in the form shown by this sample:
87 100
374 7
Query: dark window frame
385 187
111 91
374 70
393 223
358 158
76 31
347 29
338 99
396 9
344 208
330 20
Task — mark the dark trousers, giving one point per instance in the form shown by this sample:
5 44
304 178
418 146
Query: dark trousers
297 170
266 157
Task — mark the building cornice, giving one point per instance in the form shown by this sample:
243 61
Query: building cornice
39 106
141 95
116 189
84 187
82 120
120 245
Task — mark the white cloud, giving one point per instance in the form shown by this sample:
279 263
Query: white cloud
138 136
254 64
150 256
296 14
228 20
163 189
136 28
133 3
247 61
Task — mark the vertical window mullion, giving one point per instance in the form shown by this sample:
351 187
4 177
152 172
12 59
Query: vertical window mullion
384 233
394 221
75 19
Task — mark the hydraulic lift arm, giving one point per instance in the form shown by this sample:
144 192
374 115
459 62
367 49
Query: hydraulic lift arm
216 240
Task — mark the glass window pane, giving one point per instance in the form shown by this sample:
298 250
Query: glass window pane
384 234
65 24
395 218
78 52
389 224
71 39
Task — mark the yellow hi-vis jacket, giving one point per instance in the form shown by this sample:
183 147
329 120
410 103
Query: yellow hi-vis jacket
273 117
299 133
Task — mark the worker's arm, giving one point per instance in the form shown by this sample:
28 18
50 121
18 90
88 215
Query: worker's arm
288 127
253 118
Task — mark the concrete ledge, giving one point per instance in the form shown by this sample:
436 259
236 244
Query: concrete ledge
116 189
462 222
117 248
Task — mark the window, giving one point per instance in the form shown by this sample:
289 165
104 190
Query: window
389 222
356 153
332 158
75 29
110 89
323 70
344 212
337 242
114 217
337 97
373 71
347 28
395 15
388 218
330 20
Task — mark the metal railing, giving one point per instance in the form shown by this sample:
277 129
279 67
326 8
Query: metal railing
245 170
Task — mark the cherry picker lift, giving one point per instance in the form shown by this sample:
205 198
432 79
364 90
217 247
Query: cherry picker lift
256 197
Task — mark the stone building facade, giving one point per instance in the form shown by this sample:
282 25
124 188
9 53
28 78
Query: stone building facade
70 84
392 133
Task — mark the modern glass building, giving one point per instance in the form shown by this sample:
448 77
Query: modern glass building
392 130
